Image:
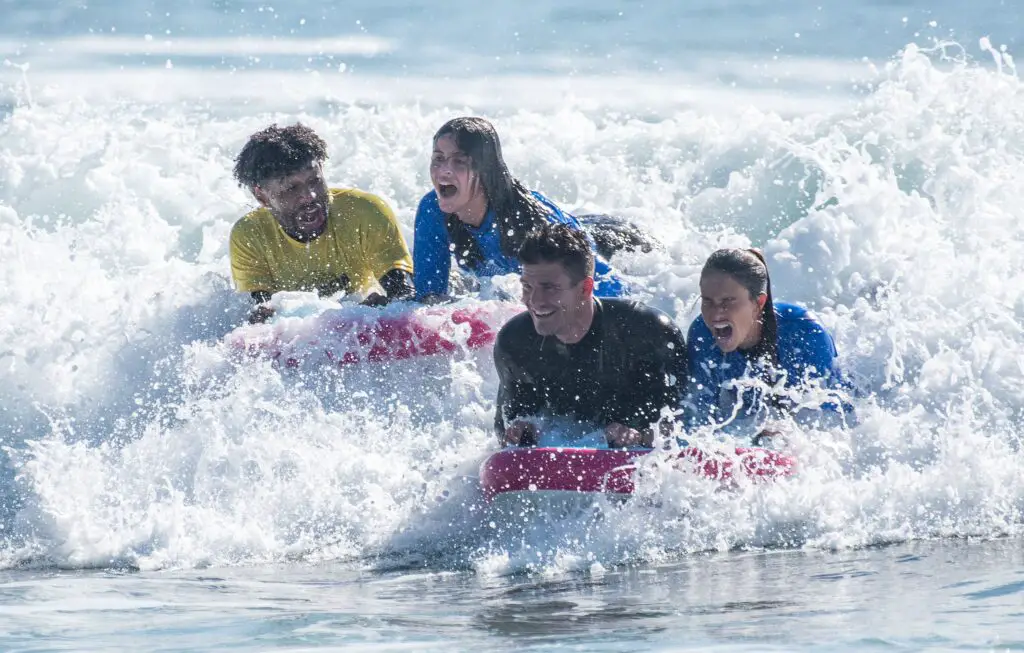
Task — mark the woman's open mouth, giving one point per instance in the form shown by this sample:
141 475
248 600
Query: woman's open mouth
722 331
447 190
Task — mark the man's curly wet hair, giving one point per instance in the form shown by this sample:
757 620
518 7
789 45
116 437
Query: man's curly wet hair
277 152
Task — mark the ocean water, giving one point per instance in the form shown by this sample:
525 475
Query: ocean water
158 493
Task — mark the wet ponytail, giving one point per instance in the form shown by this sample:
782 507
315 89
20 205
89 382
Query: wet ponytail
768 347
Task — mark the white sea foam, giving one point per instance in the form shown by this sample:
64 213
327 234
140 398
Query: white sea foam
137 438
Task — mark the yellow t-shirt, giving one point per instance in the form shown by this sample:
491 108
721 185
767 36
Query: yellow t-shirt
361 241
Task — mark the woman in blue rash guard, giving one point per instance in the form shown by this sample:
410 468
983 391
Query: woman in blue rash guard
480 213
743 335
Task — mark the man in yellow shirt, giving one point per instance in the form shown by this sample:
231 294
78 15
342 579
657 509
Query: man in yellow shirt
306 236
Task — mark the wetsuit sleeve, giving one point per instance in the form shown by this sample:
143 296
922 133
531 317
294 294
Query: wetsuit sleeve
397 284
250 270
811 354
432 260
517 395
661 377
701 391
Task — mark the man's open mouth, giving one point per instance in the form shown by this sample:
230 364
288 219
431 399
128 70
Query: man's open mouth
311 214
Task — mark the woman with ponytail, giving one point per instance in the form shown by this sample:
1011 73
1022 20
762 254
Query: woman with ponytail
480 214
742 336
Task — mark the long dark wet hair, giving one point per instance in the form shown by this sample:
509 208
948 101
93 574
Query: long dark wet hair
750 270
517 212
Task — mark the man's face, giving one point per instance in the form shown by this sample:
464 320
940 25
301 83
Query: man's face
299 201
553 300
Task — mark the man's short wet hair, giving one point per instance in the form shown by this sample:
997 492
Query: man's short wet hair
278 152
559 243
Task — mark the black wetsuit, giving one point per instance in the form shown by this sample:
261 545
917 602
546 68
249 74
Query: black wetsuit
630 364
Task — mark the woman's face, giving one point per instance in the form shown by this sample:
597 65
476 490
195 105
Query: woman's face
730 312
451 171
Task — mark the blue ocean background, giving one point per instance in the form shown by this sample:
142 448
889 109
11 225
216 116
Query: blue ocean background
156 493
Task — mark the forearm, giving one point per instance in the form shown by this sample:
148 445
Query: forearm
516 397
430 254
398 284
515 400
261 311
658 387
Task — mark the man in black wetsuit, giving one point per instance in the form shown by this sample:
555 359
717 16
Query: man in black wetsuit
610 364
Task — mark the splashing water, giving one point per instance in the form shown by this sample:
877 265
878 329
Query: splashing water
133 438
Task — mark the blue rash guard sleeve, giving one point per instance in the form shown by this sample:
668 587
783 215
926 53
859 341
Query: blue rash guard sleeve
808 351
431 253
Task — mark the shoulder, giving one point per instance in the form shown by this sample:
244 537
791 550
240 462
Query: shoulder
793 318
788 311
638 317
359 203
543 199
515 334
254 223
698 328
800 330
634 309
428 212
553 209
429 204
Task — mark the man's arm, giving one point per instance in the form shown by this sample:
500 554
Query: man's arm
249 270
660 380
381 244
398 284
517 397
260 312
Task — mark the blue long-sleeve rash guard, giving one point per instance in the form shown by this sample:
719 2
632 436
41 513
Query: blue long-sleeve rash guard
806 353
432 257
